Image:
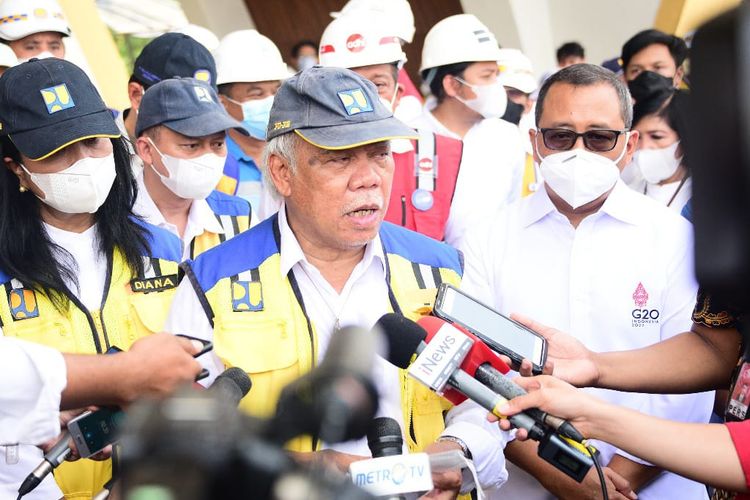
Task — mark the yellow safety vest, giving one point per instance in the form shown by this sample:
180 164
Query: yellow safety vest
260 323
133 307
234 215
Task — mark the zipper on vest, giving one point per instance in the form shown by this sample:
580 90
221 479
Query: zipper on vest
403 210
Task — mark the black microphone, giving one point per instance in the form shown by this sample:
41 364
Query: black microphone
406 339
385 440
231 386
54 457
337 400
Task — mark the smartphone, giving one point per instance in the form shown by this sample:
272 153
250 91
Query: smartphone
93 431
501 334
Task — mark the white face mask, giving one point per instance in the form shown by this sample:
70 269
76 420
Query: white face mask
389 104
194 178
657 165
81 188
491 99
580 176
306 62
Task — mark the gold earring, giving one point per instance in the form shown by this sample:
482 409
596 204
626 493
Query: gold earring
22 188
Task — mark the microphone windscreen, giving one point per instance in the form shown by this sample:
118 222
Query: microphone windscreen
231 386
403 336
239 377
384 437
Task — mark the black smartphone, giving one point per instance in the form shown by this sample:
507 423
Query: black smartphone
500 333
93 431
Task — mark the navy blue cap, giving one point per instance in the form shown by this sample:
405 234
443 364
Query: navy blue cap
187 106
171 55
333 108
48 104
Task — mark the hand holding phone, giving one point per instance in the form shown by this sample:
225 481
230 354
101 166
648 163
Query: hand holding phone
500 333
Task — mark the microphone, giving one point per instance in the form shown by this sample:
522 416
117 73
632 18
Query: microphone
406 338
483 364
336 401
231 386
438 366
54 457
390 474
385 440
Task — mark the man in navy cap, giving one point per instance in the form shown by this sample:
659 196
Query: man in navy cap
272 298
181 132
166 56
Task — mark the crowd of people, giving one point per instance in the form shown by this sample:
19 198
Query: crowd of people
263 208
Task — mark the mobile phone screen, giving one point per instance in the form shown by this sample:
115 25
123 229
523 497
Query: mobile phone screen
490 324
98 429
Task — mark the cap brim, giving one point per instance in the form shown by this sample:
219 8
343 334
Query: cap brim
357 134
205 124
45 141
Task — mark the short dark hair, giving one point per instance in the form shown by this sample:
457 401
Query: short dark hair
584 75
677 47
299 45
570 49
439 73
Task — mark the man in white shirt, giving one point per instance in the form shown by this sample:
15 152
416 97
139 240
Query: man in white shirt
272 298
459 62
590 256
181 132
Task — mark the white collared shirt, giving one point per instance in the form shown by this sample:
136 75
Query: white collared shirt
363 300
32 379
491 172
631 260
201 218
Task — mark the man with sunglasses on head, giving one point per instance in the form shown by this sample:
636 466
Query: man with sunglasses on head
588 255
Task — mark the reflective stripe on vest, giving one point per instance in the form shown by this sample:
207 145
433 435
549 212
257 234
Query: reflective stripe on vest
260 323
431 172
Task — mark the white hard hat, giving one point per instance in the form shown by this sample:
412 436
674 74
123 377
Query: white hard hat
8 58
203 36
516 71
355 40
21 18
248 56
456 39
398 12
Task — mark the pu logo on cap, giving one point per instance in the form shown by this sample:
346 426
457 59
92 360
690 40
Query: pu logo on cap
203 94
355 101
40 13
355 43
57 98
203 75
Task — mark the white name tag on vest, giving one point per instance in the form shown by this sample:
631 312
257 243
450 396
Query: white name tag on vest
393 475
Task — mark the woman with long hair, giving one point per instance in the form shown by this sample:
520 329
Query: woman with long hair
78 271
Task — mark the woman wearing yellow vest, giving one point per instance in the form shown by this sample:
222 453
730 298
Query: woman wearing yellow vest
75 265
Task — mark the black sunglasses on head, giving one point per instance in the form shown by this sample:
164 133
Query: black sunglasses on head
562 139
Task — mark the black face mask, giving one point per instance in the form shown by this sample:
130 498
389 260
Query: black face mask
648 83
513 112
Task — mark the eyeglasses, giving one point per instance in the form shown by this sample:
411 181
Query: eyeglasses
562 139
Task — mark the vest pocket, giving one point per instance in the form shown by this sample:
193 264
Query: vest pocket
50 333
149 312
257 346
